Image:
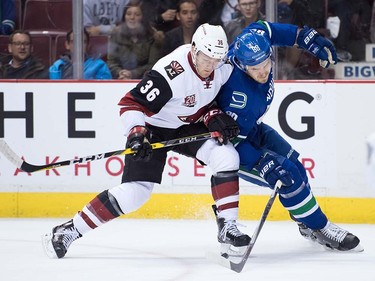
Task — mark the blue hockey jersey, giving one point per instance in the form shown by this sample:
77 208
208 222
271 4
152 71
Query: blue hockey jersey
247 101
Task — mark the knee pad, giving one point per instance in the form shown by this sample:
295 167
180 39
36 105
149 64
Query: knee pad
132 195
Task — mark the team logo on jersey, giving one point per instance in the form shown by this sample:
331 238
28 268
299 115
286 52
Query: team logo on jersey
190 101
174 69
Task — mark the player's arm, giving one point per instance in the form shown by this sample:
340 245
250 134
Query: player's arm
147 98
281 34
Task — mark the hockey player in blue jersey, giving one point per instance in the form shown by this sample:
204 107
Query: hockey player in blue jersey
265 156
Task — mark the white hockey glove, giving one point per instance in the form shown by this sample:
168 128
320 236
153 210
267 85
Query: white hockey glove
309 39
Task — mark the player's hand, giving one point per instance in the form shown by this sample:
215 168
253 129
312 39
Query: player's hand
270 169
309 39
139 143
222 126
169 15
124 74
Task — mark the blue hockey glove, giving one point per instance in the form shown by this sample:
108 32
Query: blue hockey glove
138 141
309 39
223 127
270 170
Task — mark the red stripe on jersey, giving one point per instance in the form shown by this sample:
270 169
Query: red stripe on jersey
128 103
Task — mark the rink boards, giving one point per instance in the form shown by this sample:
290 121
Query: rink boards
328 122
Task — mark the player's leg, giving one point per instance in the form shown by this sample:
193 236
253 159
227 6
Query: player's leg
224 162
297 199
313 223
135 190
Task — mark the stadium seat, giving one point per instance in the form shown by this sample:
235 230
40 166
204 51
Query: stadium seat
59 46
4 41
42 47
48 15
18 14
98 47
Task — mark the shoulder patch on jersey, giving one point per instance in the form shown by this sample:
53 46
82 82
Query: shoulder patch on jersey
174 69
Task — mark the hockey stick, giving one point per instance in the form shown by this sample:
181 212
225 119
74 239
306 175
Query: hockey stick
238 266
30 168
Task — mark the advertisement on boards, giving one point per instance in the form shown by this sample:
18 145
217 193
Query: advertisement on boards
50 122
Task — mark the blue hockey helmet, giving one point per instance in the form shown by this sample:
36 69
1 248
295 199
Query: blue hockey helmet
251 49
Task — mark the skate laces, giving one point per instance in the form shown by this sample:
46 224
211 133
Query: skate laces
67 235
230 227
334 232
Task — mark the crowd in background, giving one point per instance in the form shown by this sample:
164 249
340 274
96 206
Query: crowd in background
138 33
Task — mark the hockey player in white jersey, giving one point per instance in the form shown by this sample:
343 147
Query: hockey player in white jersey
173 100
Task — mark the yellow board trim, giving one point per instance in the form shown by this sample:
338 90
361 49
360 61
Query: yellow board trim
179 206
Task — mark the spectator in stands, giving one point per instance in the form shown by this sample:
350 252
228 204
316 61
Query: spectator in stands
229 11
249 12
187 15
134 46
94 68
161 14
297 63
210 11
20 63
100 17
7 16
355 17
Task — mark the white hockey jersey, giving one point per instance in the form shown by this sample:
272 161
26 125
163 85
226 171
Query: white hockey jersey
172 94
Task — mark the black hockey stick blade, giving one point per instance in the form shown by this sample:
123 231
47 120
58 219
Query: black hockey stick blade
30 168
238 266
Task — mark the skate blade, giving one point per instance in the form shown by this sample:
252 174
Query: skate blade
235 263
228 250
356 249
47 246
228 255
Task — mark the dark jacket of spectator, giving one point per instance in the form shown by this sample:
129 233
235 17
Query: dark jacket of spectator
210 11
138 57
32 68
235 27
173 39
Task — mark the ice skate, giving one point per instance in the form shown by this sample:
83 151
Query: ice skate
233 242
332 237
56 244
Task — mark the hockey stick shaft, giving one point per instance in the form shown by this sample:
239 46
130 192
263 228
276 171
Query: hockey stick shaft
237 267
30 168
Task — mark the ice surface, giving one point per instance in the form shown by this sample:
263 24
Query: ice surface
153 250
